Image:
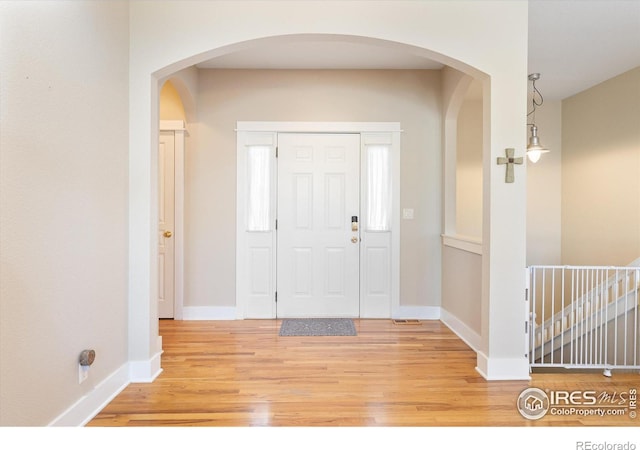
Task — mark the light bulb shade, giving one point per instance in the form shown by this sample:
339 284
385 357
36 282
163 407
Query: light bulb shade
535 149
534 155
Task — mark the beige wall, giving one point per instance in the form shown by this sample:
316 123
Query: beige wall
171 107
64 194
469 170
462 269
543 181
227 96
600 173
544 189
461 286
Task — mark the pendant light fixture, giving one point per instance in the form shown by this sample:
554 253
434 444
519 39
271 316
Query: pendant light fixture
534 149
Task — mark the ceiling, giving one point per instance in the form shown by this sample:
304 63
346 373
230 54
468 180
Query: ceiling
321 53
576 44
573 44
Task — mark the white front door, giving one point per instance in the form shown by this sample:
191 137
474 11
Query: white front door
318 248
166 222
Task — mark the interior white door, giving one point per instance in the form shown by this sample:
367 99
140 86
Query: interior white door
317 247
166 223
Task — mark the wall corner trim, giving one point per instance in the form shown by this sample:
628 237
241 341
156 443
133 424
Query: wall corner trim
145 371
466 243
502 369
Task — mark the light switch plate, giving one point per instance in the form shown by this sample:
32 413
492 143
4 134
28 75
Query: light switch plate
407 213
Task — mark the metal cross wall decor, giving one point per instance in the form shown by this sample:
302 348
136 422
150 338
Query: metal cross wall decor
510 161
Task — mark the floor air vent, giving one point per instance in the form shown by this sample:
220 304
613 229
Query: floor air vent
406 321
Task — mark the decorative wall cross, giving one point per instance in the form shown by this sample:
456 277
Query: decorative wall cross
510 161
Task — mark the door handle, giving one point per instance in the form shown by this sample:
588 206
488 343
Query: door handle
354 239
168 234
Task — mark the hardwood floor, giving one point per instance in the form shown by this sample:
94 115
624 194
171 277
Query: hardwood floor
242 373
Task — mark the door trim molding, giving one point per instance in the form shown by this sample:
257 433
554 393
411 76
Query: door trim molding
319 127
266 131
179 130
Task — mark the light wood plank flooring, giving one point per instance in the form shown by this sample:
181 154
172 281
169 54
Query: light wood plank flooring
242 373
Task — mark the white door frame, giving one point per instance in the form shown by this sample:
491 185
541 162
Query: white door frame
179 130
255 294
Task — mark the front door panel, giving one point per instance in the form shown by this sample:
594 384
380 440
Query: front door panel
318 248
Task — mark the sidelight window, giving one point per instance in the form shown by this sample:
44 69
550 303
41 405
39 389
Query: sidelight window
378 188
259 170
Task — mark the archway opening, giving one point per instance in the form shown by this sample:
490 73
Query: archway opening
223 60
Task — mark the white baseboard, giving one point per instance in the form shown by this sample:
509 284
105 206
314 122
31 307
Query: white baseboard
469 336
229 312
417 312
94 401
209 313
492 369
496 369
145 371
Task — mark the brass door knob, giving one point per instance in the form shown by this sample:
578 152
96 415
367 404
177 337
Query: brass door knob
168 234
354 239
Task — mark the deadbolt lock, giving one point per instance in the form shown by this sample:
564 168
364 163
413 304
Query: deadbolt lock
354 223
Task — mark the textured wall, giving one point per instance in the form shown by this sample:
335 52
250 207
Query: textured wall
63 223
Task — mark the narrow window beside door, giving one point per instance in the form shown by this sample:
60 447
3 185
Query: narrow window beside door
259 188
378 188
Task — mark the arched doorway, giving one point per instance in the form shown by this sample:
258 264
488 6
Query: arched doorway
188 62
